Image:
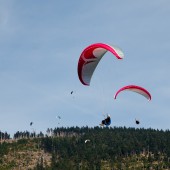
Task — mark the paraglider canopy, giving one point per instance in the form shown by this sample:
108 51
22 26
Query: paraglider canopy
134 88
90 58
87 140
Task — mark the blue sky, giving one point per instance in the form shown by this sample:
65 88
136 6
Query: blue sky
40 44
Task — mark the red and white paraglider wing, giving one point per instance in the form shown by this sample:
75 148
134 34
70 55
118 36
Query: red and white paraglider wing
136 89
90 58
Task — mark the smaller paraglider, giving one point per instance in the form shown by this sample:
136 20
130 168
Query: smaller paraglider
136 89
106 122
58 117
87 140
31 123
137 122
71 92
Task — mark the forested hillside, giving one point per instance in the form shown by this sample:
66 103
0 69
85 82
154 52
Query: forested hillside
87 148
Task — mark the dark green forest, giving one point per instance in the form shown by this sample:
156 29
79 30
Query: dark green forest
106 148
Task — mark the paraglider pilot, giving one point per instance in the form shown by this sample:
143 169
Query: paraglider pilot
137 121
106 121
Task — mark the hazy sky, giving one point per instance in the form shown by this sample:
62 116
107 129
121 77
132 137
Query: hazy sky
40 44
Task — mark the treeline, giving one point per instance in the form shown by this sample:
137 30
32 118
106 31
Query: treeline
57 132
112 147
106 145
119 140
4 135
